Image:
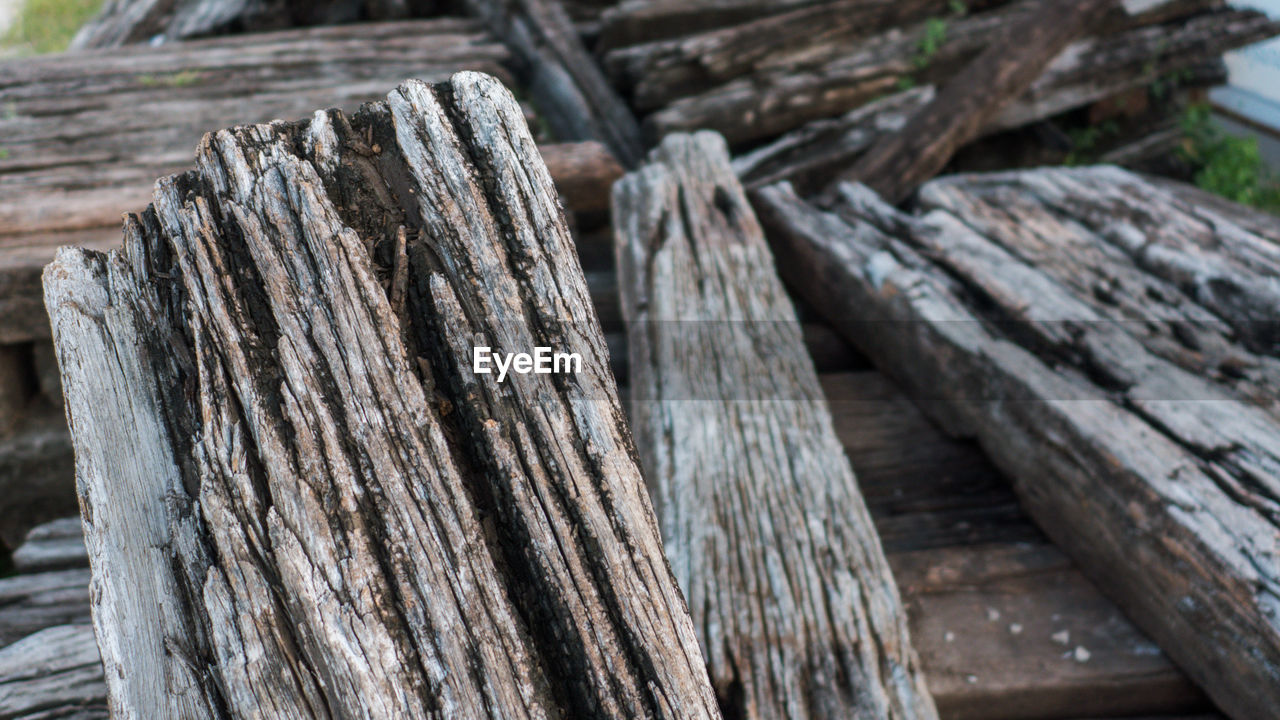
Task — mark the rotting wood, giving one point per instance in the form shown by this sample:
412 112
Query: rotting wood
495 553
785 91
584 173
67 183
127 116
55 673
1113 350
124 22
736 440
970 99
952 566
567 85
812 155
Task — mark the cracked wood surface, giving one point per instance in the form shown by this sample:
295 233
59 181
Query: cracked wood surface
1113 349
757 80
319 510
765 527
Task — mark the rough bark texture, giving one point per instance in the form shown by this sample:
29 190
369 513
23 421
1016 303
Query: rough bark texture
1113 350
960 548
765 528
767 85
812 155
55 673
324 512
564 79
87 134
970 99
123 22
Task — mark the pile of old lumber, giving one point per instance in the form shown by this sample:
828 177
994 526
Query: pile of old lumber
1113 348
285 460
86 135
753 71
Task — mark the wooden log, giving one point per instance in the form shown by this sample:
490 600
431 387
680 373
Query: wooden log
53 674
785 92
1095 337
923 490
970 99
739 446
812 155
583 173
657 73
55 545
566 83
340 518
124 22
41 600
68 183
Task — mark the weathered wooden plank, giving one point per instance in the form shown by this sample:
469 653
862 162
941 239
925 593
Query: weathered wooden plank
1013 632
923 489
55 545
55 673
567 85
124 22
969 100
764 525
398 534
784 90
33 602
813 154
1072 321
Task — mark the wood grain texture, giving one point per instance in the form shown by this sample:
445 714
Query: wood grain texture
766 530
565 81
53 674
1095 336
970 99
87 133
960 547
321 505
781 84
124 22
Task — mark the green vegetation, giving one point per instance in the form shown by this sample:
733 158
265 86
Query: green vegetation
1227 165
45 26
180 79
4 153
1085 142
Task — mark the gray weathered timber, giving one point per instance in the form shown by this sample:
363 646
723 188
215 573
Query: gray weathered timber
770 91
124 22
127 116
969 100
813 154
54 673
320 506
1108 347
765 528
35 601
54 545
565 81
